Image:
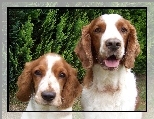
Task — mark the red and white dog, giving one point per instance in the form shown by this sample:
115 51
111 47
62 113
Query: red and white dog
107 49
49 83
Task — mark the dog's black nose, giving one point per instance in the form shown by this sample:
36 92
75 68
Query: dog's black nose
48 95
113 44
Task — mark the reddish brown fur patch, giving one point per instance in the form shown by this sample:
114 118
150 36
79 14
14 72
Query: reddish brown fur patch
24 84
70 86
88 78
89 43
122 23
97 28
28 80
83 49
132 47
42 67
60 67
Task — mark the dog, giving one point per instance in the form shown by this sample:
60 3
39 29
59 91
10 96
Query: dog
49 83
107 50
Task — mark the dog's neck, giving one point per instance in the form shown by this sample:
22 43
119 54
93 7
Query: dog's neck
106 80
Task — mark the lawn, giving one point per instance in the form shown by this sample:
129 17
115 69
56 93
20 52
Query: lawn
141 85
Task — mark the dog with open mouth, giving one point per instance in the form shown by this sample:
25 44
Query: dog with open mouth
107 50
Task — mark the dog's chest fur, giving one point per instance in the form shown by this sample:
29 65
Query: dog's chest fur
110 91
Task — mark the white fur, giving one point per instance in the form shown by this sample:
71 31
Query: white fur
33 106
35 103
111 31
49 79
97 97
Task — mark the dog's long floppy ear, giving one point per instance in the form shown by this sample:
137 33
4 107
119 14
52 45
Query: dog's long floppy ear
132 48
83 49
71 90
25 84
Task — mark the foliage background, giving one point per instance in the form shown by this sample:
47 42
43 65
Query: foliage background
33 32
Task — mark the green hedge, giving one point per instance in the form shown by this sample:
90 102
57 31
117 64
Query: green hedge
33 32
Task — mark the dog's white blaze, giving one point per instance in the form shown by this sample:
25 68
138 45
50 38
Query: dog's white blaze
111 30
49 81
49 78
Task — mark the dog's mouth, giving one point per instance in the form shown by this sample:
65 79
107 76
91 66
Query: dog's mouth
112 62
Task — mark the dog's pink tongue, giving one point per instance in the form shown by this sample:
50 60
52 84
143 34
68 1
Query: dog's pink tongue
112 63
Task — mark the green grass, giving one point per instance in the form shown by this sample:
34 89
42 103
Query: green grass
77 105
141 86
15 104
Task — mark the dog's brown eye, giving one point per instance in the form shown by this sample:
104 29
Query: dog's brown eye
123 30
38 73
97 30
62 75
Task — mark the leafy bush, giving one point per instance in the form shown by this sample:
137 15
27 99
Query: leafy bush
33 32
